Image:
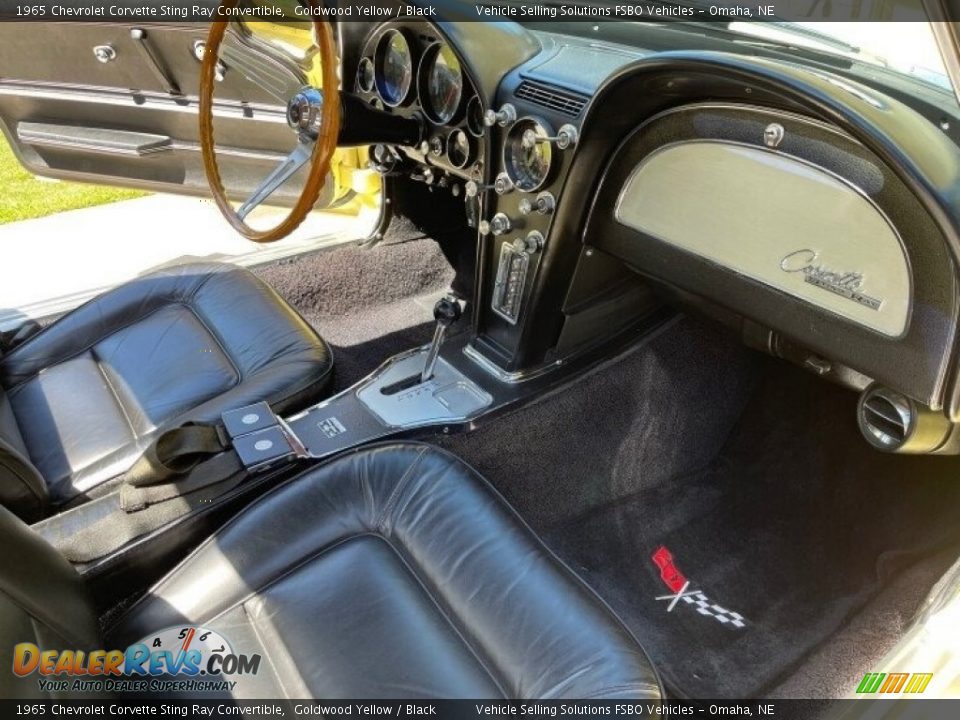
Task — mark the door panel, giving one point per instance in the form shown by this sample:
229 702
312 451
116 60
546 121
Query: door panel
132 120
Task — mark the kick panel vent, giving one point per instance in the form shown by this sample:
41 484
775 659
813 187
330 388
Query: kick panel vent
885 418
564 102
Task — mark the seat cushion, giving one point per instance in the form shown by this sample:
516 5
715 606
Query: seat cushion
90 392
395 572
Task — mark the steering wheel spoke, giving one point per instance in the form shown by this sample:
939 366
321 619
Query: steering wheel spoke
261 72
285 170
313 114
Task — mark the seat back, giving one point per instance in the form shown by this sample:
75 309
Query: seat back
43 601
22 488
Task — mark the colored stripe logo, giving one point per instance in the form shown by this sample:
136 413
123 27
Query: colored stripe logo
892 683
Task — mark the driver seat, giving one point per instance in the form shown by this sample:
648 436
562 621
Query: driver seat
83 398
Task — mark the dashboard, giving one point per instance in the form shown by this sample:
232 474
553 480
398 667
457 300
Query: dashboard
816 214
408 69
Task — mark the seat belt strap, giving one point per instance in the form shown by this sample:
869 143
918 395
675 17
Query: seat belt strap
175 453
194 456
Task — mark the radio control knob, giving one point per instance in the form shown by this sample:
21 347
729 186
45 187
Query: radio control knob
436 145
506 115
526 207
500 224
530 244
503 184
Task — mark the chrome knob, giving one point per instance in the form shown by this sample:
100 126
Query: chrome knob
526 207
545 203
532 243
567 136
500 224
436 145
506 115
503 184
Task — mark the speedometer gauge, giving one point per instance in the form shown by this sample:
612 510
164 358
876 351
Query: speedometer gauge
394 68
440 83
528 154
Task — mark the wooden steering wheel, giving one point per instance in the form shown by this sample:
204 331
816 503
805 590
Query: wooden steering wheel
312 112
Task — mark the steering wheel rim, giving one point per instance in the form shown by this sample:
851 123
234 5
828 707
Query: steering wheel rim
323 145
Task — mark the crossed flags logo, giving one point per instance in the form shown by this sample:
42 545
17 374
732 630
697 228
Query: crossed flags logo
681 592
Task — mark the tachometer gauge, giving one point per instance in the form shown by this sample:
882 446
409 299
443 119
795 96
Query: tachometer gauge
459 149
440 83
527 154
394 68
475 117
366 75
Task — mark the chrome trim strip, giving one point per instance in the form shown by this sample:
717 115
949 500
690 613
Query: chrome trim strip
510 378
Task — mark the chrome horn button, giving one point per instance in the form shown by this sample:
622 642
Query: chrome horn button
304 112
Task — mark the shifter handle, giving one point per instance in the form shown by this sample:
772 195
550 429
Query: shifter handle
446 312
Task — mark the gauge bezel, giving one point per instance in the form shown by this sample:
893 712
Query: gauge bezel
427 59
478 131
547 131
471 149
382 43
366 60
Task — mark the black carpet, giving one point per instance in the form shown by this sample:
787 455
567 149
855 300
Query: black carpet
784 520
367 303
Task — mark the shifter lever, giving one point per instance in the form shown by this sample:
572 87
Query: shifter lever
446 312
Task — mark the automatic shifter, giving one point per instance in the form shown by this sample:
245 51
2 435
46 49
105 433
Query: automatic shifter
446 312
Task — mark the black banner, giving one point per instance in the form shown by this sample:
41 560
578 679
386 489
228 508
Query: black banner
153 11
488 710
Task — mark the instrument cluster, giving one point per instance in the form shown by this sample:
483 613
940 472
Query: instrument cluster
406 68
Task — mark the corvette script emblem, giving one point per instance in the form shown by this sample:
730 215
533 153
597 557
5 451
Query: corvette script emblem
681 592
845 284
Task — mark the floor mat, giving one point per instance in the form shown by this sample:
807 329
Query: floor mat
367 303
753 476
794 527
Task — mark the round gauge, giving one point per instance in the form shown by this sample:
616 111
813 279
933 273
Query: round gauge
394 68
459 149
366 75
475 117
440 83
527 154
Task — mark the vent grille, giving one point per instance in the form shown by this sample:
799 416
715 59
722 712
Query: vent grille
545 96
885 418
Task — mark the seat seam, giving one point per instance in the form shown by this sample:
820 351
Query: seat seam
116 396
395 495
448 616
316 554
404 561
86 348
266 652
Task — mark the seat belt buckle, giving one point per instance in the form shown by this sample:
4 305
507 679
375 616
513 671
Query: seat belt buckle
260 438
264 448
248 419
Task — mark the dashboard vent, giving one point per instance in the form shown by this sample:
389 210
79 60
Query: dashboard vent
885 418
564 102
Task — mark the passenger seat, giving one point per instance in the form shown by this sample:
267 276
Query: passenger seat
393 572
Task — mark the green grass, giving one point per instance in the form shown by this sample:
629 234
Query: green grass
23 196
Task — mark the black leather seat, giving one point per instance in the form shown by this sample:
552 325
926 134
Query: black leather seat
81 400
395 572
